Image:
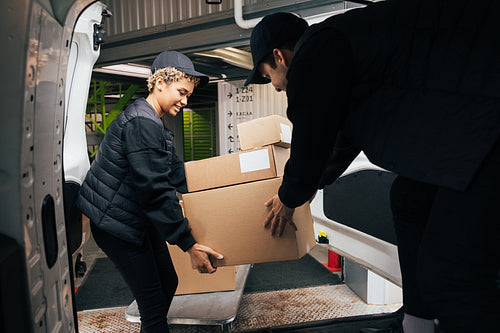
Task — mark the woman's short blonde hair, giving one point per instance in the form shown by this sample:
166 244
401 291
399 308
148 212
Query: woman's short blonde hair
170 74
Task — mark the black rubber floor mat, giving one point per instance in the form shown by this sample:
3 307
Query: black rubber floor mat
305 272
103 288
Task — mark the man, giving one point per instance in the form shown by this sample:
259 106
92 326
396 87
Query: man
416 86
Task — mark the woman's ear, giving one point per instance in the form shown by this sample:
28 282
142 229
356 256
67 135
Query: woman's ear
160 83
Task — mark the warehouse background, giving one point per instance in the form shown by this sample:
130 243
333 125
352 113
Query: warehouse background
213 38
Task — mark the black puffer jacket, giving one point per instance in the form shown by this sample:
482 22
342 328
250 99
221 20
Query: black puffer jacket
134 179
415 84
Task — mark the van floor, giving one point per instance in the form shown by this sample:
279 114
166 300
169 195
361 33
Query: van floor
298 309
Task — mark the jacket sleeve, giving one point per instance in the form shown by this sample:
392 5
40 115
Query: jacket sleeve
149 163
318 91
342 155
178 174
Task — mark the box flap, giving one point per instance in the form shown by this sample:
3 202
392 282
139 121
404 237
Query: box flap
281 156
305 230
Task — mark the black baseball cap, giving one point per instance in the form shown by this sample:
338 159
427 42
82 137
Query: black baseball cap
179 61
271 32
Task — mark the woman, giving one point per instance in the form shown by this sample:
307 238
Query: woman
130 192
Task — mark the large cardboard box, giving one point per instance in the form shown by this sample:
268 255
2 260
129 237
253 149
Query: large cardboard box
246 166
192 282
264 131
231 221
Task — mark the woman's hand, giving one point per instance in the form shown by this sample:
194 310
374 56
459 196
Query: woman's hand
200 258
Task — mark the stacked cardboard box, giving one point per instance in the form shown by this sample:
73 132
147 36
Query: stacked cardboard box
269 130
231 221
225 204
246 166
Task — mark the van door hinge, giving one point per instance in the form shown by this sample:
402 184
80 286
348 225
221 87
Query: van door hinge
99 29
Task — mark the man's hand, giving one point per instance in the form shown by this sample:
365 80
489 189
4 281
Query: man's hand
200 258
279 216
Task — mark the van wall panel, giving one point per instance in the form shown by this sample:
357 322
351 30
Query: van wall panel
132 15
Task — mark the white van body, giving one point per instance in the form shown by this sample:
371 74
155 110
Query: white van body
50 51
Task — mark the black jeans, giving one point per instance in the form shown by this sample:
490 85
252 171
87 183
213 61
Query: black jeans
449 249
148 272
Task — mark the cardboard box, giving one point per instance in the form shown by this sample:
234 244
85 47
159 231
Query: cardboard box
231 221
246 166
269 130
193 282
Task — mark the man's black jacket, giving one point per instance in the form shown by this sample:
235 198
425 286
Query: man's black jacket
415 84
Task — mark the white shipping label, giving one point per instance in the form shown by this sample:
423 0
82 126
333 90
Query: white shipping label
254 161
286 133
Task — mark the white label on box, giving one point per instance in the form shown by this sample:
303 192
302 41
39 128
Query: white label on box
254 161
286 133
